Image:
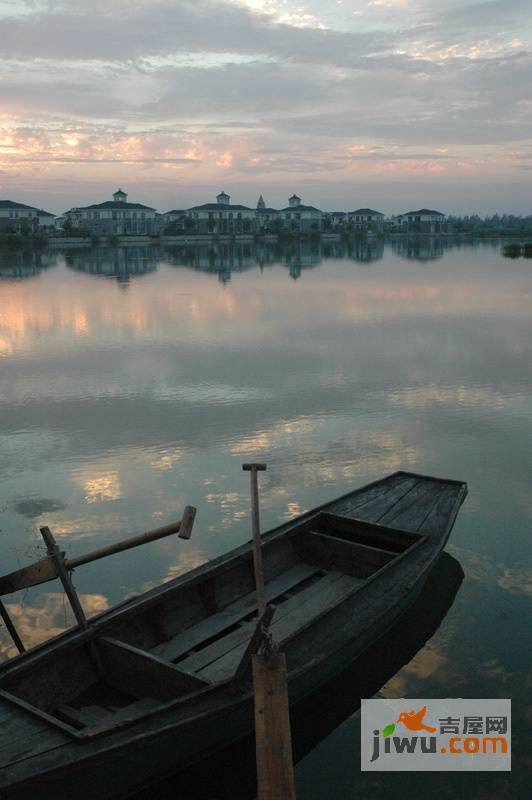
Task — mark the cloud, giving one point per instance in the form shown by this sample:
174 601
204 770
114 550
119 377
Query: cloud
259 88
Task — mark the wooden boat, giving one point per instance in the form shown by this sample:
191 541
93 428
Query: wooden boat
146 688
231 772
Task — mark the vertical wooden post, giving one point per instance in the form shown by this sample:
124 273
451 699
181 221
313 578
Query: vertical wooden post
8 622
59 559
64 576
255 524
273 741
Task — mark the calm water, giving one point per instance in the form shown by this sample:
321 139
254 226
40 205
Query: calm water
135 381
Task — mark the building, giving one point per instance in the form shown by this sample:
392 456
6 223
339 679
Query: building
174 221
300 218
20 218
267 219
366 219
46 220
423 221
222 217
114 217
334 221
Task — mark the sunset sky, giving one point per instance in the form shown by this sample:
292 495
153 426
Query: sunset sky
389 103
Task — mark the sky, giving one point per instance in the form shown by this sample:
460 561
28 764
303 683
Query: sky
388 103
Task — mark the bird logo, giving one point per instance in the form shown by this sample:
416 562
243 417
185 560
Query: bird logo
413 720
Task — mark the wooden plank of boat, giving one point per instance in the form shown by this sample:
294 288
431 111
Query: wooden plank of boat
233 613
328 614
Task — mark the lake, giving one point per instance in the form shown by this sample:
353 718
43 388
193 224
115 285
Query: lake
136 380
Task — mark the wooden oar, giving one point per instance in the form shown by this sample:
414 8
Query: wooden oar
46 569
273 741
255 524
273 744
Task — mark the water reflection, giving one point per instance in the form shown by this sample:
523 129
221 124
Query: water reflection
220 258
428 248
231 774
224 258
24 263
115 262
118 408
50 617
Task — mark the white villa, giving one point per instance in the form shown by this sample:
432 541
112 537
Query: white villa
222 216
114 217
119 217
15 217
300 218
366 219
423 221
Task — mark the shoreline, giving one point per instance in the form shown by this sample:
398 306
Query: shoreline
60 242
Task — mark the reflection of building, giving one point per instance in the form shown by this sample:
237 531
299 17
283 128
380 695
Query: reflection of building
222 217
366 250
426 248
221 258
303 255
365 219
115 262
18 217
24 263
422 221
300 218
115 217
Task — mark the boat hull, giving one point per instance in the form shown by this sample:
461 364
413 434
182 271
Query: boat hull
342 626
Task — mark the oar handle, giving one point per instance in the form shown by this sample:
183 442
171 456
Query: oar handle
183 527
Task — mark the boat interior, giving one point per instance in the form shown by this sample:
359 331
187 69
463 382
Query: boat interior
185 639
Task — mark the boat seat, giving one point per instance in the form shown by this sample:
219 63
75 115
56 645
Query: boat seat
93 715
359 560
220 659
234 614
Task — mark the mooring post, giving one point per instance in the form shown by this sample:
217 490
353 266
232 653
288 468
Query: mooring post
257 543
8 622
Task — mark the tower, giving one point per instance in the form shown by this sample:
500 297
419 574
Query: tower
223 199
294 201
120 196
261 205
